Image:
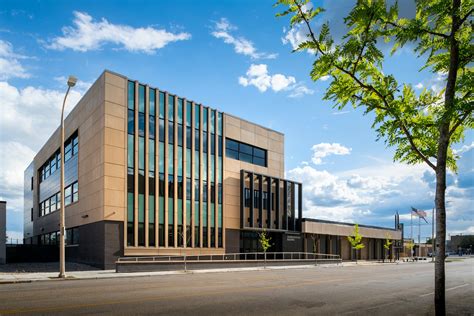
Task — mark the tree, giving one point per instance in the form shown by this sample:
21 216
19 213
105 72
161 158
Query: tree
264 241
421 127
387 245
411 245
356 240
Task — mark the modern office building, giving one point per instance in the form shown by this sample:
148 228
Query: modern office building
148 172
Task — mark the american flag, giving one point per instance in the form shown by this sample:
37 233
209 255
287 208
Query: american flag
419 213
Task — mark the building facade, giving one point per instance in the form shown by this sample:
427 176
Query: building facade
148 172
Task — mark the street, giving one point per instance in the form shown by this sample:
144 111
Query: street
377 289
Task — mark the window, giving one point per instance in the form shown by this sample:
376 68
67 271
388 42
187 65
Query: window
32 183
31 214
245 152
67 196
71 148
75 192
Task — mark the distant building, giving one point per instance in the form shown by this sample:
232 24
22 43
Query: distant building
3 231
462 243
150 173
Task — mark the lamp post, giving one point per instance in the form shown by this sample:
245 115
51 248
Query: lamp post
71 82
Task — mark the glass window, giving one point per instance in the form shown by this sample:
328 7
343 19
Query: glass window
131 95
170 107
67 153
52 203
170 159
188 163
151 127
197 144
196 165
189 107
188 137
204 119
162 105
180 111
170 186
162 130
141 99
213 144
161 157
180 187
170 133
204 142
46 207
131 122
67 196
151 155
188 188
130 151
204 191
130 219
219 145
53 164
180 161
141 124
141 153
219 124
75 192
75 145
197 115
152 101
141 219
197 192
212 122
58 200
180 134
245 152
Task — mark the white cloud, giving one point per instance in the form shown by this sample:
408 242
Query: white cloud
10 66
87 34
419 86
29 117
464 148
241 45
257 75
325 78
326 149
300 90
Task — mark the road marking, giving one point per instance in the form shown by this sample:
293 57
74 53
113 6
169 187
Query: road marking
450 289
165 297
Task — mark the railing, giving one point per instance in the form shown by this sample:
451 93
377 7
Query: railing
244 256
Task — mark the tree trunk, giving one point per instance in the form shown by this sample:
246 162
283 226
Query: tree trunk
440 304
443 145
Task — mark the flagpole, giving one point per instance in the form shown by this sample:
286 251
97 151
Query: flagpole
419 242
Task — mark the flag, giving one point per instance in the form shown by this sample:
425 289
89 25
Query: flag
419 213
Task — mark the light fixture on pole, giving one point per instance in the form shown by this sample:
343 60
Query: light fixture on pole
71 82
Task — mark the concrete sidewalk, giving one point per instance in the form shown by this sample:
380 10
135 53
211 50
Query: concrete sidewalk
26 277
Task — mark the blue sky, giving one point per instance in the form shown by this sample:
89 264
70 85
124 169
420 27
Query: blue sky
231 55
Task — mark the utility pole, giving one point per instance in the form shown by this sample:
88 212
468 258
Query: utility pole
419 232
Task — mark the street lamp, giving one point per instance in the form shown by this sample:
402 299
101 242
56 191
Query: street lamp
71 82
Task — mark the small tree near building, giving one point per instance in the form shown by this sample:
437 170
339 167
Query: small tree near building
356 240
264 241
386 246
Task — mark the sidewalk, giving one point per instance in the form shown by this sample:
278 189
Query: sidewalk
9 278
27 277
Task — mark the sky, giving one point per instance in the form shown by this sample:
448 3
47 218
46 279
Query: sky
235 56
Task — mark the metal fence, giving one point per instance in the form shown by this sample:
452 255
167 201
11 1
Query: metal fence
236 257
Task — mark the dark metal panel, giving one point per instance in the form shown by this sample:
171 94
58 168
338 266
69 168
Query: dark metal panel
242 198
251 200
269 202
300 206
277 202
285 204
260 202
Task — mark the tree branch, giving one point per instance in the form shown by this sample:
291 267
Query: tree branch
464 19
420 29
367 87
460 121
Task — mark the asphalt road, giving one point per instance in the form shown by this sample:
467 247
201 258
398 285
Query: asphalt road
404 289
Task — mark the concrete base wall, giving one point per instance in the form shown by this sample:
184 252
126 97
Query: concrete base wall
176 266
